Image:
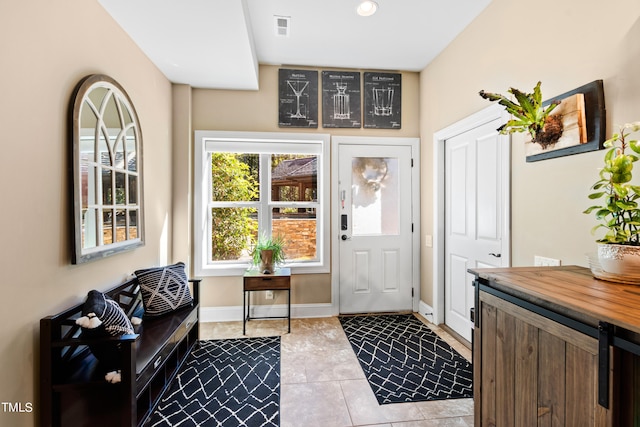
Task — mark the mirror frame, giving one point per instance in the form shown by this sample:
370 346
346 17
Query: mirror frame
127 125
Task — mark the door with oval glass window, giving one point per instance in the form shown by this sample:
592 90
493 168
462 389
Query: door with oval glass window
376 259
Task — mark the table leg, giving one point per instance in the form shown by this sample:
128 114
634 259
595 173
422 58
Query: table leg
289 309
244 316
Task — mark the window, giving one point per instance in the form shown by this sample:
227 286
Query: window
253 184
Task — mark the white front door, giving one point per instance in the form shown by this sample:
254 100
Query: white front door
375 221
474 216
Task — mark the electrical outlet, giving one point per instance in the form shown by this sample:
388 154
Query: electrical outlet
268 295
540 261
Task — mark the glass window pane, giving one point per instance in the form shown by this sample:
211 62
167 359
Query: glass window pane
133 224
121 225
89 228
294 177
374 186
132 158
126 114
111 116
107 226
120 188
103 156
133 189
97 95
88 119
107 188
88 185
118 152
235 177
298 227
234 231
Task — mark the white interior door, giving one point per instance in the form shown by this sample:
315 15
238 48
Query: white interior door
375 220
474 216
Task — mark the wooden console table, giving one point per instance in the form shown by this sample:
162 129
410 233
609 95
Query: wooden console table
553 345
253 280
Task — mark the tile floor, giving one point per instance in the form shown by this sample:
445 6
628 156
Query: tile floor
324 386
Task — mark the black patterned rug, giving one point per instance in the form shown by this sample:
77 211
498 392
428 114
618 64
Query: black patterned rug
234 382
405 361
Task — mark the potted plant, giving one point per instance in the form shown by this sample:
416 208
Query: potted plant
618 211
529 115
268 253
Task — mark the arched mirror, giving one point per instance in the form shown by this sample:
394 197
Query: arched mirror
107 170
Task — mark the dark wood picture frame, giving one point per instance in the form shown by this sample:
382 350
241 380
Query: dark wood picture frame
595 122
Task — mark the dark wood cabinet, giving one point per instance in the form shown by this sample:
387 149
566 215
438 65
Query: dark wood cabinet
555 347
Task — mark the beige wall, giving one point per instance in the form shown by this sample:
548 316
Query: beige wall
258 111
516 43
47 47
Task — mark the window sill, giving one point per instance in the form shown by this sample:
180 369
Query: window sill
238 270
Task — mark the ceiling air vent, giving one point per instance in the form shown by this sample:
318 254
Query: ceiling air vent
283 25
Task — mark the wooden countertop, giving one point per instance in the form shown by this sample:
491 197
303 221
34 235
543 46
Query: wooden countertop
571 291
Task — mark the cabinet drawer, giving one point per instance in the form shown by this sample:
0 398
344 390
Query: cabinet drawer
186 326
266 283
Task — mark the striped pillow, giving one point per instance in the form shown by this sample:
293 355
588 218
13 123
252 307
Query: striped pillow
164 289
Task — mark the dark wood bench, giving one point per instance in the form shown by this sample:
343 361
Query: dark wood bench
73 390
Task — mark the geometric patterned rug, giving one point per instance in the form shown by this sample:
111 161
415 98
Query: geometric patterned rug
405 361
233 382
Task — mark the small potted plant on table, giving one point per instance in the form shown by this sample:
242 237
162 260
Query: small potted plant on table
268 253
618 211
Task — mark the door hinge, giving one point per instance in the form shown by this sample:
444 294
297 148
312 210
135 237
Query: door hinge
412 227
411 292
411 162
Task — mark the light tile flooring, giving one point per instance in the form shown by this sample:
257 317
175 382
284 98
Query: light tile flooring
323 385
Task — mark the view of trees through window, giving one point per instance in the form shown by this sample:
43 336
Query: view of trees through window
239 212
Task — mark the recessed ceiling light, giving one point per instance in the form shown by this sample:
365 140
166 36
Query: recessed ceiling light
367 8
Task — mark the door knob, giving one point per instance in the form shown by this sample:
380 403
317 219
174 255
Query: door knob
344 237
495 255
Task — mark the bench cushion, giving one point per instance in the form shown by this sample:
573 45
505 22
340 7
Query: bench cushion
164 289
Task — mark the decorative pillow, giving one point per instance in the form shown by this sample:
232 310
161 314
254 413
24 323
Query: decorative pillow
164 289
103 317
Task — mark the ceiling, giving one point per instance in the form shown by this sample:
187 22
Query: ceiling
219 43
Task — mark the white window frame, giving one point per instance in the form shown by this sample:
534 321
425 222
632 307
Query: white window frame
245 142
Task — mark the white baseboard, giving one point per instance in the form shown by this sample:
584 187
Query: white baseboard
234 313
426 311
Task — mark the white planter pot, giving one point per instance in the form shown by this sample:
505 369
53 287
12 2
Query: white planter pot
619 259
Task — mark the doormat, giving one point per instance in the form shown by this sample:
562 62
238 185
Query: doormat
233 382
405 361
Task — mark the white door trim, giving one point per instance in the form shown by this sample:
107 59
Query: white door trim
336 141
486 115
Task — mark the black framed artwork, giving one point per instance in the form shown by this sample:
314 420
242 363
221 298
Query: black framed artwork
298 98
382 100
341 99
